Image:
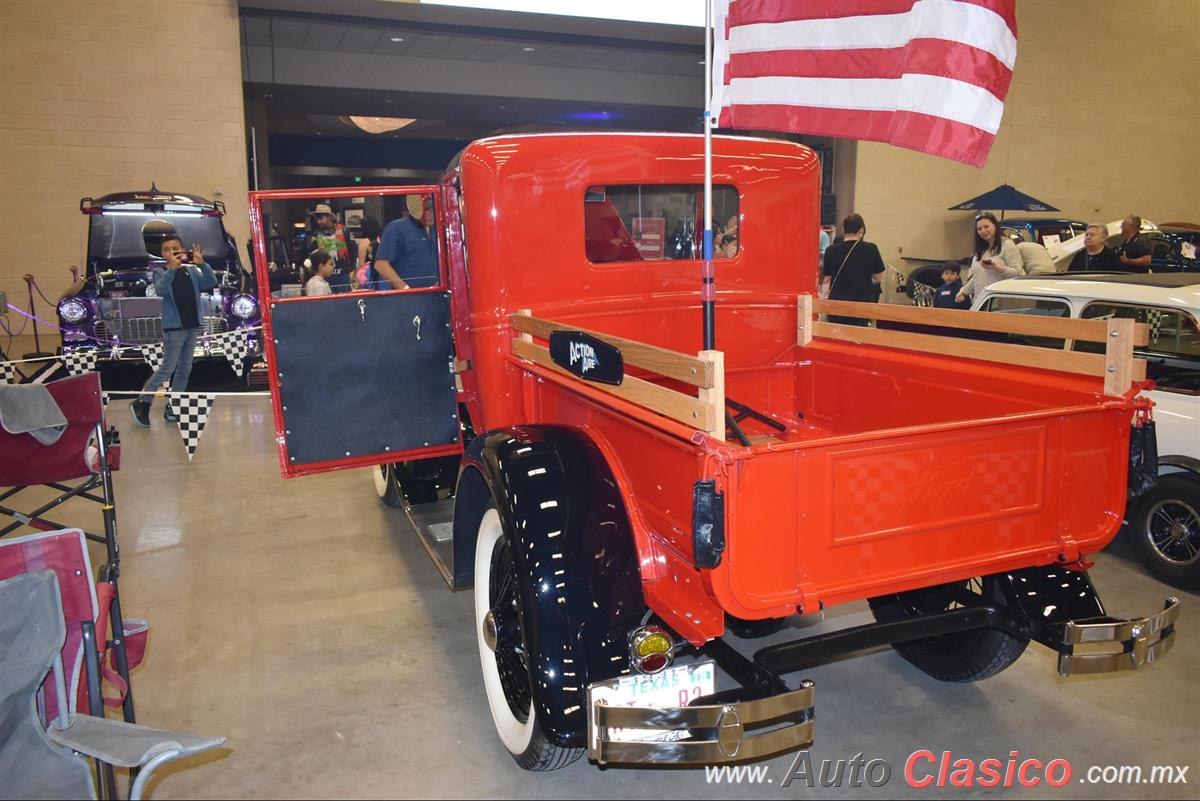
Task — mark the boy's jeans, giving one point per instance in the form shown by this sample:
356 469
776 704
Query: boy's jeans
178 349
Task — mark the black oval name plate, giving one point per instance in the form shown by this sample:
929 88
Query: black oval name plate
587 357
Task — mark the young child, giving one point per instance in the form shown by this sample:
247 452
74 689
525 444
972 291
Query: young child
322 266
951 285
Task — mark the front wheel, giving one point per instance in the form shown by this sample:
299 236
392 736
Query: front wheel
1165 530
960 656
387 488
504 655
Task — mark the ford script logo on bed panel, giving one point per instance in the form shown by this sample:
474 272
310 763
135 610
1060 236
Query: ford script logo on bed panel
587 357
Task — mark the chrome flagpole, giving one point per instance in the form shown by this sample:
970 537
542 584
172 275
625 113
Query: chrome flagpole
708 291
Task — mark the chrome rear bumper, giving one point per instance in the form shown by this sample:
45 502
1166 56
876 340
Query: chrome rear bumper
1131 644
708 734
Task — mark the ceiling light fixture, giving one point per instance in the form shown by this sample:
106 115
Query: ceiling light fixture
397 38
529 49
378 125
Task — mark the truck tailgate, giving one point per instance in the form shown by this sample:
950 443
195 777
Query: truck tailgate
847 517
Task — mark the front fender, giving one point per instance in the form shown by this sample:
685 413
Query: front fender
575 556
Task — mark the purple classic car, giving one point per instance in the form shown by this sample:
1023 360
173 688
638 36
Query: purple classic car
113 305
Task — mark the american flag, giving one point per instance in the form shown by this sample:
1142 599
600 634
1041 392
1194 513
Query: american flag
930 75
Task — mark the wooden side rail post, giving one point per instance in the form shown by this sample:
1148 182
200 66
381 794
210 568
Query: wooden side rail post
804 319
1118 356
706 371
1117 365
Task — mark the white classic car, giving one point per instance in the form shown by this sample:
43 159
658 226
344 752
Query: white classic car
1164 524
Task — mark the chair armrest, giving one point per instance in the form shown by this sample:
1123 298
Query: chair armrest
127 745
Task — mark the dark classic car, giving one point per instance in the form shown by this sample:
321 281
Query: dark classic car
1035 229
114 306
1173 248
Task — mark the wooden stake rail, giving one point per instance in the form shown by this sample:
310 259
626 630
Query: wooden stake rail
1027 325
1117 365
705 371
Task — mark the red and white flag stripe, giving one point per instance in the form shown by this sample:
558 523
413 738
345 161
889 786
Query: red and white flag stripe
930 75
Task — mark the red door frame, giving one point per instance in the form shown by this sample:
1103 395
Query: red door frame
266 303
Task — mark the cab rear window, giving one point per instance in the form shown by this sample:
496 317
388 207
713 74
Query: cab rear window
657 222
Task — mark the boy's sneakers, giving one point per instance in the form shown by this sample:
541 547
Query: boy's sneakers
169 414
141 413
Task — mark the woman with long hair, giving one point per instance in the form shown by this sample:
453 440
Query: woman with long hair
996 257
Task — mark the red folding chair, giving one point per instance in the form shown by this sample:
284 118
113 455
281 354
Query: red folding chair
55 565
86 455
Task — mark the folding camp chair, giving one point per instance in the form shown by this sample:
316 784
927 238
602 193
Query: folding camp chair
85 454
41 762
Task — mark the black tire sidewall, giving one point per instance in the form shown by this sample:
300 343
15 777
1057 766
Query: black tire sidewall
961 657
1173 486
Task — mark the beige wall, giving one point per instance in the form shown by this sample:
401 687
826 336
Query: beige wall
1102 120
108 96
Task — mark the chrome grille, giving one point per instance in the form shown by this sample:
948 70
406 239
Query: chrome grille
141 330
215 325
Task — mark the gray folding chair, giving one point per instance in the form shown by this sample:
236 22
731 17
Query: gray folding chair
38 763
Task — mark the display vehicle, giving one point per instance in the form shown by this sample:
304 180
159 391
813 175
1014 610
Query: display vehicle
113 304
622 499
1164 525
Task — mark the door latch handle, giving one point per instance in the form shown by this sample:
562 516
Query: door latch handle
417 323
362 309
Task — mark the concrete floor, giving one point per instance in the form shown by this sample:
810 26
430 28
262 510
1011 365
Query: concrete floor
302 620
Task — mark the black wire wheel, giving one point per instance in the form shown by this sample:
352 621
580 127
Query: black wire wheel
503 654
960 656
1165 530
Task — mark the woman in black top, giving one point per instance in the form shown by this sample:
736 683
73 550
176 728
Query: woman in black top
853 269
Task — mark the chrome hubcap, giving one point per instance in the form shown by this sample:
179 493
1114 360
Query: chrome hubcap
490 635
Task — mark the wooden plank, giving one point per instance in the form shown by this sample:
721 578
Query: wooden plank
524 315
1066 361
1118 357
804 319
669 363
1053 327
683 408
714 398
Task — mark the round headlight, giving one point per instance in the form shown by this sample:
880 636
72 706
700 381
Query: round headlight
72 310
244 307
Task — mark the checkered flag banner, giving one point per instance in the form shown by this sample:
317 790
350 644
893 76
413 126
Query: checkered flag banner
236 348
153 354
8 373
193 409
80 361
1155 320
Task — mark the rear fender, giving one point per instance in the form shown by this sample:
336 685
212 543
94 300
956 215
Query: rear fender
575 554
1044 598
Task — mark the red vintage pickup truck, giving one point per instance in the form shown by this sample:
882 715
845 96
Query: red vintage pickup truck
620 499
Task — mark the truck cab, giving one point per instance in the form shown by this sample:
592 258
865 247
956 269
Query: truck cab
620 499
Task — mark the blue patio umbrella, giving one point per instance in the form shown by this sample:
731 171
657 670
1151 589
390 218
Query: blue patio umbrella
1003 198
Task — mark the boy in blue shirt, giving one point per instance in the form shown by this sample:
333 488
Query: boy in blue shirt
179 284
951 285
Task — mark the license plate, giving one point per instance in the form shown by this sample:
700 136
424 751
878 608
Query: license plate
676 686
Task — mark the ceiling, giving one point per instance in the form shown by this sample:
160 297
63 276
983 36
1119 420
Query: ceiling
463 73
401 40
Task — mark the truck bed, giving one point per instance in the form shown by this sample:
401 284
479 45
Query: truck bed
886 469
907 469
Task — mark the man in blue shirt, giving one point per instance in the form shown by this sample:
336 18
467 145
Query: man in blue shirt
407 255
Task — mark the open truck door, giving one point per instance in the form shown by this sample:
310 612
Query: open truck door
360 377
